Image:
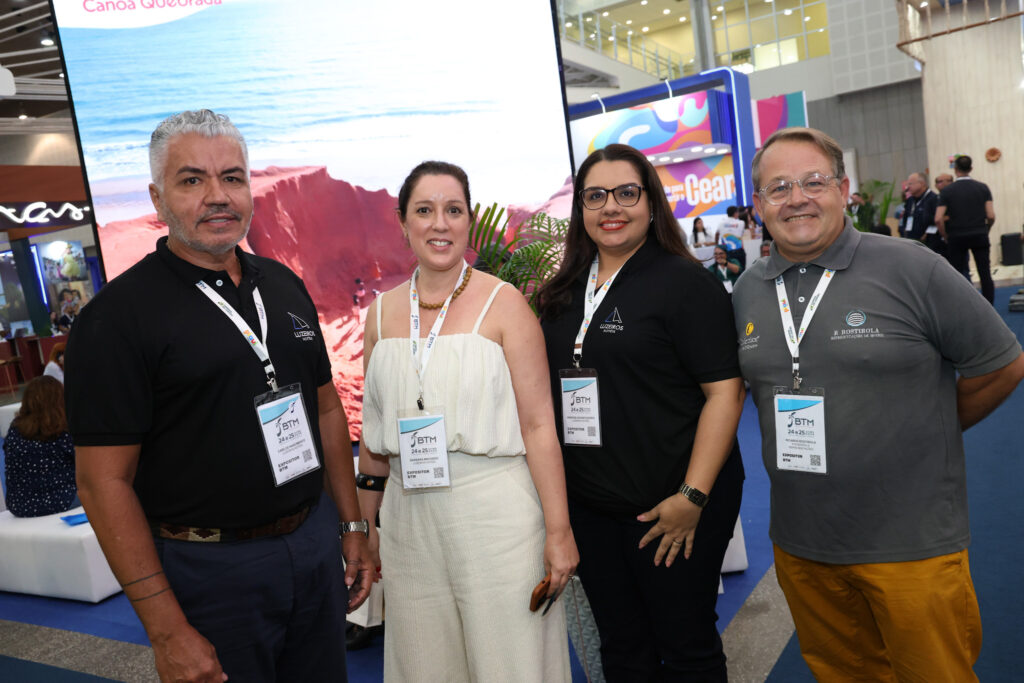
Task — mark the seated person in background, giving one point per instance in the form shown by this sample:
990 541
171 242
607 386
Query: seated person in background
55 368
726 269
67 317
40 457
700 235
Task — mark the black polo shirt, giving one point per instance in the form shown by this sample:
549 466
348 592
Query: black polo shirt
152 361
964 199
664 328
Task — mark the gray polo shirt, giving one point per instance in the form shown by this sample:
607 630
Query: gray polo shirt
895 326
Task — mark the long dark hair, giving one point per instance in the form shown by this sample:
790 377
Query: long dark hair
703 229
580 249
41 416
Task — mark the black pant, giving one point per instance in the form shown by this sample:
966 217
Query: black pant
958 246
656 623
273 607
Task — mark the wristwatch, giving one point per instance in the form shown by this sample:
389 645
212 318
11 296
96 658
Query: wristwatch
361 526
698 498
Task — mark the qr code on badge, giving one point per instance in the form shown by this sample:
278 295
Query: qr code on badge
438 472
815 460
591 431
307 455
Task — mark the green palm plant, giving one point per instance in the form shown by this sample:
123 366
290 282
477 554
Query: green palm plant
526 257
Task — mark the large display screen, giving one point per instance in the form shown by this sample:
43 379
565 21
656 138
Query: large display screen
338 100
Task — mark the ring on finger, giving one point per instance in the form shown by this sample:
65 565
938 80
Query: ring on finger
677 542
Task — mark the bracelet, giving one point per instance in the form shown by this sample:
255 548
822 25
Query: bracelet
370 482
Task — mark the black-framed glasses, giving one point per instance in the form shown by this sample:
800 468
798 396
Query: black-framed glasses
812 186
625 195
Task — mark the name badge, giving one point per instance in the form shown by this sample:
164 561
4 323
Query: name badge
286 434
423 448
800 431
581 411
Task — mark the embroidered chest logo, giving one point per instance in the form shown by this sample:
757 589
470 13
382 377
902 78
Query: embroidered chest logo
301 328
749 340
857 327
613 323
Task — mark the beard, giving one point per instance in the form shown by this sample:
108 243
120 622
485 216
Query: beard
176 229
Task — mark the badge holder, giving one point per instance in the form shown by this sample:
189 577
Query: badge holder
423 449
800 429
287 436
581 408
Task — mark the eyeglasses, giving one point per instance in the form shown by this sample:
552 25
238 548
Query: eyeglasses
625 195
813 185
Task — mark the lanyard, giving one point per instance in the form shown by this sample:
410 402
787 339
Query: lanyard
793 336
418 363
258 344
590 304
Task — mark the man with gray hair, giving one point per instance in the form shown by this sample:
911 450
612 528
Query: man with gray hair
852 344
918 220
208 429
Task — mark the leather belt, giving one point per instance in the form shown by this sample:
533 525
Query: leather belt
279 527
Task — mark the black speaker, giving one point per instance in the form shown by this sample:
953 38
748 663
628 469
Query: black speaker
1010 244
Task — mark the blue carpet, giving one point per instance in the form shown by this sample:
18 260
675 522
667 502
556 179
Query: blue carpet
29 672
995 474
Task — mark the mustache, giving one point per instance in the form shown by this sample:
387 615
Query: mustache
220 211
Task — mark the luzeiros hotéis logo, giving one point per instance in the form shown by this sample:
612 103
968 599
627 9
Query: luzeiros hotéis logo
301 328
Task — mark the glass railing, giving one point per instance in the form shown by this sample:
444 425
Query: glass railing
624 44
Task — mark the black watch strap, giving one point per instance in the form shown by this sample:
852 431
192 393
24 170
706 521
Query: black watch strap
698 498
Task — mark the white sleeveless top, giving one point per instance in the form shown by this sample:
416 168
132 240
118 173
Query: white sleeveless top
467 375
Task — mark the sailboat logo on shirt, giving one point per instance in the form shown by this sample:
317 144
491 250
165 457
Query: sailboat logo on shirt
301 328
613 323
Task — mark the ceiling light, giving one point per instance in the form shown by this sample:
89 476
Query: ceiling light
821 30
788 12
645 29
807 18
568 24
643 2
698 148
604 14
682 18
719 8
62 74
590 18
22 116
629 33
611 39
710 150
592 35
713 17
594 96
629 22
677 160
924 4
666 11
664 159
47 39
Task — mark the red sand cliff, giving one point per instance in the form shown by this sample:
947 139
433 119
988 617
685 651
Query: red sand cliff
329 232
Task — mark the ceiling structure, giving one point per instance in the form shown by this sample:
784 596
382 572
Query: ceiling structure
40 95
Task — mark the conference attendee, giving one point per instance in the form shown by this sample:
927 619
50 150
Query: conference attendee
867 357
39 458
725 269
964 216
918 219
730 235
700 237
942 180
55 366
207 430
458 421
643 364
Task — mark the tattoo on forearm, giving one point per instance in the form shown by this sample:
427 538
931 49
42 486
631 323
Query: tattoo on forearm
130 583
151 595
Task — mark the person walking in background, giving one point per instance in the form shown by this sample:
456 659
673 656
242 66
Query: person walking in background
457 419
643 361
965 215
918 219
39 457
867 357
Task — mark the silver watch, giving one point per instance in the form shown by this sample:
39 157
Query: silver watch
361 526
698 498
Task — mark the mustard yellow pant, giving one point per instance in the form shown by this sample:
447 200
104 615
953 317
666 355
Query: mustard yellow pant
884 622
